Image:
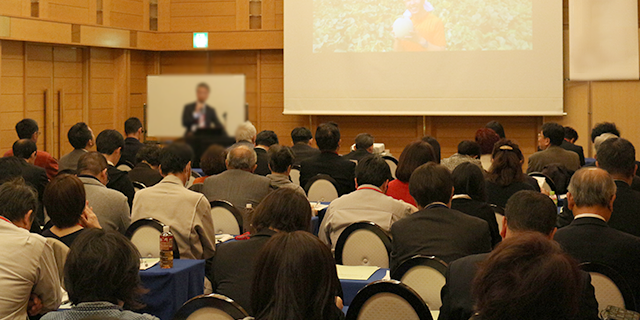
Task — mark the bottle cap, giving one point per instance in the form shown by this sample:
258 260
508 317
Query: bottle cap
249 206
165 229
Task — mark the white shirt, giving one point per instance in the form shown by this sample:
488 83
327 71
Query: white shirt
590 215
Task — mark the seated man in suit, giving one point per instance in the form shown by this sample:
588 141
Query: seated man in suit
264 140
549 140
280 162
368 203
26 150
110 143
81 139
110 206
569 143
526 212
146 170
188 213
199 115
436 230
302 138
328 161
135 133
28 129
588 238
364 147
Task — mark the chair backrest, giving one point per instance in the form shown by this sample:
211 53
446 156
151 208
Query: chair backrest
426 276
295 175
227 219
210 307
544 181
499 212
145 235
611 288
124 167
382 300
363 244
393 164
60 252
137 185
321 188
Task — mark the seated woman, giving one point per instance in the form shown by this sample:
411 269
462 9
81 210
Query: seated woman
487 139
471 196
505 176
65 202
101 277
296 278
212 162
283 210
414 155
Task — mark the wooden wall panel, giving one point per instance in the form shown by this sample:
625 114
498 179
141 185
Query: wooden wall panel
102 90
128 14
12 8
38 82
68 86
11 91
72 11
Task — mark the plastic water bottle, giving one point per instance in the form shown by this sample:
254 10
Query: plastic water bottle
166 248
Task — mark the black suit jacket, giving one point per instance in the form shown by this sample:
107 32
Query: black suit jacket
458 303
119 180
263 162
480 210
438 231
303 152
143 173
329 163
37 178
592 240
130 150
357 154
575 148
499 195
211 119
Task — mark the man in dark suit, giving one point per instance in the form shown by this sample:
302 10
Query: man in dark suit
549 140
526 212
569 143
588 238
302 137
328 161
147 169
135 133
199 115
264 140
26 150
364 147
109 143
436 230
28 129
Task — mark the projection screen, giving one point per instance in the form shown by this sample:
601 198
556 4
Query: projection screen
423 57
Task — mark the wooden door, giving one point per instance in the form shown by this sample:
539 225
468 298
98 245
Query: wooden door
67 93
38 91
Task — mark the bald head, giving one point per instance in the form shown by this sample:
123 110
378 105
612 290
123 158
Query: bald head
591 188
242 158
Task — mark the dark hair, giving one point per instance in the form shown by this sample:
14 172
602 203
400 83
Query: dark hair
24 148
283 209
364 141
10 169
531 211
25 128
496 127
213 160
79 135
132 125
149 153
295 278
436 147
328 137
64 199
301 134
486 138
108 141
373 170
617 156
554 132
506 167
175 157
92 163
280 158
468 179
570 134
103 266
431 183
266 138
414 155
16 199
604 127
203 85
527 277
469 148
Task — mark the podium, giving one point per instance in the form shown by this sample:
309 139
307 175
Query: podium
204 138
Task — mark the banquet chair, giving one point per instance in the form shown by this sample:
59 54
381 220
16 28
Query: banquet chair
295 174
544 181
425 275
137 186
393 164
363 244
321 188
145 235
382 300
60 252
210 307
611 288
125 167
499 212
227 219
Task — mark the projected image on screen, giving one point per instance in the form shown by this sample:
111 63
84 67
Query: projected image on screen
422 25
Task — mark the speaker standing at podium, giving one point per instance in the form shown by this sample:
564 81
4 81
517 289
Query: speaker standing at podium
199 115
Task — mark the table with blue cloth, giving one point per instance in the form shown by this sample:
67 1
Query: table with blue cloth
351 287
169 289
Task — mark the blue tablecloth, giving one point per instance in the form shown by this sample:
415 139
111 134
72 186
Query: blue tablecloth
169 289
351 287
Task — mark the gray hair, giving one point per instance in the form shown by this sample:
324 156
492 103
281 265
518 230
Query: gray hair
602 138
246 132
241 157
591 187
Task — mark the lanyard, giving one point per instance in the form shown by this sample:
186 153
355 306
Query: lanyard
370 188
5 219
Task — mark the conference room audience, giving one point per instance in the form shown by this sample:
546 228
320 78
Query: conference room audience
604 127
436 230
132 143
188 213
283 210
497 128
245 135
505 176
110 143
81 138
26 151
468 151
436 147
147 168
414 155
280 162
102 276
550 140
367 203
471 197
302 139
110 206
364 147
66 204
569 143
486 138
264 140
296 278
28 129
328 161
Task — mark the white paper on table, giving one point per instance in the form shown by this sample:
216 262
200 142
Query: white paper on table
146 263
319 206
220 238
355 272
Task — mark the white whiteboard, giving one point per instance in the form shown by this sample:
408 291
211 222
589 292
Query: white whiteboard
168 94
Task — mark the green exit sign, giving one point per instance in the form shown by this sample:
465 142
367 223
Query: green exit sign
200 40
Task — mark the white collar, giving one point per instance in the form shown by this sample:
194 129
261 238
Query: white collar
590 215
462 196
110 163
